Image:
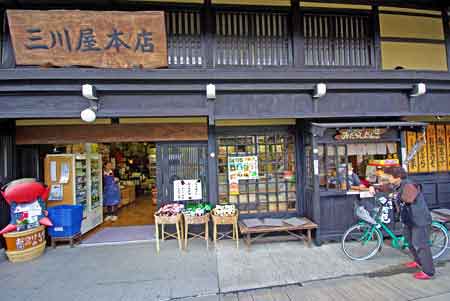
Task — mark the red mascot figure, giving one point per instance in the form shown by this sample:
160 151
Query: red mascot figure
26 198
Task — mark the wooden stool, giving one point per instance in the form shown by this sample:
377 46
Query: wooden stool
74 239
226 220
169 220
196 220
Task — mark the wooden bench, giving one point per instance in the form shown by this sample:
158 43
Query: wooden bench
262 231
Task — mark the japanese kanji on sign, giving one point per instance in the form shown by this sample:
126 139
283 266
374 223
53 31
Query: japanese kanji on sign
89 38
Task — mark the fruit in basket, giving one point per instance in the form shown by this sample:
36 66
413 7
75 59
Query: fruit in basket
225 210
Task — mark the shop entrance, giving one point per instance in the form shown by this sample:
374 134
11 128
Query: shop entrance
181 161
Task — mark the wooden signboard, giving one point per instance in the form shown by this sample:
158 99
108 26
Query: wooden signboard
360 134
423 156
89 38
431 143
447 127
441 147
411 138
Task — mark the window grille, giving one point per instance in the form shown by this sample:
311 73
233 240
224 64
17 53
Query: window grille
337 40
252 39
275 188
184 42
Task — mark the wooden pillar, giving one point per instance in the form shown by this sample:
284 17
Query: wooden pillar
297 35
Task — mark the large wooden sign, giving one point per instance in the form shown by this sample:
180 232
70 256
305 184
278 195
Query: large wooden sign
89 38
360 134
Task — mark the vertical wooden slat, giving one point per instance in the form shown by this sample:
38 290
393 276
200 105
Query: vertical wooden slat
423 156
447 128
411 138
431 142
441 147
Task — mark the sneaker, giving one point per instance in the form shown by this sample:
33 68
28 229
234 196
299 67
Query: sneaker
412 265
114 218
107 218
422 276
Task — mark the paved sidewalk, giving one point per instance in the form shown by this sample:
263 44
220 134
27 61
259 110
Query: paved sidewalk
136 272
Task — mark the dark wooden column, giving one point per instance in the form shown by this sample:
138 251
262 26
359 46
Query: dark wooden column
376 38
7 167
297 35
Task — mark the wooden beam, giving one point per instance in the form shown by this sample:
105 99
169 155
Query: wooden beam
111 133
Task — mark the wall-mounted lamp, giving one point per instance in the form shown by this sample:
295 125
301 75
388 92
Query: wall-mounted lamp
89 91
210 91
89 114
320 90
418 90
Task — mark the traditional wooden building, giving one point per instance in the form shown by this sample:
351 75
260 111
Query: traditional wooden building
308 87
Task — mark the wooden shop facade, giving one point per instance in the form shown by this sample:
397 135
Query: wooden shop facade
304 91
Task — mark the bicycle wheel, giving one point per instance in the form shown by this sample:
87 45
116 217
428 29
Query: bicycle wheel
361 242
438 239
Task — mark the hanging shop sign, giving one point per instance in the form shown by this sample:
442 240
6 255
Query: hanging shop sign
432 150
360 134
186 190
242 168
89 38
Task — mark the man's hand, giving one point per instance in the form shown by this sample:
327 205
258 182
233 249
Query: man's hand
372 190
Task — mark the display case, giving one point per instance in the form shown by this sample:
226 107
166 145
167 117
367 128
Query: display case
76 179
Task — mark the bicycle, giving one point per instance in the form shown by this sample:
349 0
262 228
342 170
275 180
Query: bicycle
365 239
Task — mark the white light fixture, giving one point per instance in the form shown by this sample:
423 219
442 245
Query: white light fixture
89 91
320 90
211 91
88 115
418 90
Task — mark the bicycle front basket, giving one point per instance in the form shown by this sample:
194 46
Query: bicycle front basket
363 214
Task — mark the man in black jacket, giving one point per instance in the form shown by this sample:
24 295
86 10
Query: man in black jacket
417 220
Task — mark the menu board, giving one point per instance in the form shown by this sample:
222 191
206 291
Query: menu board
410 141
441 147
186 190
423 156
431 141
242 168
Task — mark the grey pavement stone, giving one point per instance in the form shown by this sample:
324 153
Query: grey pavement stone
291 262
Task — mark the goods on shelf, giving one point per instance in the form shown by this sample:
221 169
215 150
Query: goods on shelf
225 210
197 209
170 209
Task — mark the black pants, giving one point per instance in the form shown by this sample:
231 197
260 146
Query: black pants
418 238
111 210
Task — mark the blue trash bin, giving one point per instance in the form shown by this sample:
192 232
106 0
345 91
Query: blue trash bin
66 220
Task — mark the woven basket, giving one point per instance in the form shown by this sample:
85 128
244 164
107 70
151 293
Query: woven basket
167 219
196 219
225 220
27 254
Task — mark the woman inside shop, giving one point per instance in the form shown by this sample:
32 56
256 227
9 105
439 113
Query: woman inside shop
111 192
417 220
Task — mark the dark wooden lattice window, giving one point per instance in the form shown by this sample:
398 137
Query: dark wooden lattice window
275 188
184 43
337 40
252 39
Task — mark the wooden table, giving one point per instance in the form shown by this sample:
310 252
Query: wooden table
169 220
262 231
226 220
196 220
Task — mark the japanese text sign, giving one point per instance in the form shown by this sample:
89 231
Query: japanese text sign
89 38
186 190
360 134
